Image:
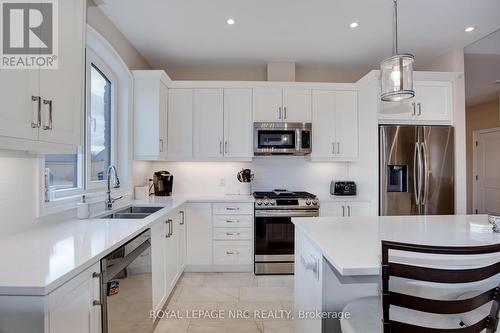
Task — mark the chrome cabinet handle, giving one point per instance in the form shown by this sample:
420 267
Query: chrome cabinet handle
49 125
38 121
171 224
338 147
220 147
161 145
225 147
232 221
96 303
333 148
343 211
183 217
232 252
96 275
414 109
419 109
348 210
279 112
169 233
232 208
232 233
284 112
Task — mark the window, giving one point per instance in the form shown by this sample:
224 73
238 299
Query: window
100 124
70 174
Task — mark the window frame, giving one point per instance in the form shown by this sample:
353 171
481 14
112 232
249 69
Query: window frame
92 59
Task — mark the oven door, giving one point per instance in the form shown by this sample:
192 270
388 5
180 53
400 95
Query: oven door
274 240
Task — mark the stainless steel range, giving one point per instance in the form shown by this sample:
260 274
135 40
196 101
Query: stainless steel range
274 230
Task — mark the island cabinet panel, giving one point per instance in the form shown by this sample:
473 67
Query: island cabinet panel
308 283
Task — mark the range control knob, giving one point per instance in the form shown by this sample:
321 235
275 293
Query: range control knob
266 202
273 203
308 202
315 202
259 202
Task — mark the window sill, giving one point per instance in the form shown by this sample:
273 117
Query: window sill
60 205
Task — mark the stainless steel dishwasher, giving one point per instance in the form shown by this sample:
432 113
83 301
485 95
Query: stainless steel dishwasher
126 287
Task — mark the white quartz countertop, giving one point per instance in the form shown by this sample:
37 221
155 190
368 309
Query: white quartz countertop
352 245
39 260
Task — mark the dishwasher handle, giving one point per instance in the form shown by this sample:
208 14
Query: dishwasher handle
112 271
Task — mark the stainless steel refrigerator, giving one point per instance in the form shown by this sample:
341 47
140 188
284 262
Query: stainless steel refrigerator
416 170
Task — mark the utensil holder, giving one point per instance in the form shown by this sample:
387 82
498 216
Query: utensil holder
245 188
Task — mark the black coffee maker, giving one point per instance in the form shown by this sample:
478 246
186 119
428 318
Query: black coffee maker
163 183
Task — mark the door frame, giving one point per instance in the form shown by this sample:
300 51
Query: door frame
474 163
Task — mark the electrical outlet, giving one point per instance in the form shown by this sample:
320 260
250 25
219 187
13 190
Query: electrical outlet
222 182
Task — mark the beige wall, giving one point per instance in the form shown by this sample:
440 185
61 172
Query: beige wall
100 22
259 73
480 116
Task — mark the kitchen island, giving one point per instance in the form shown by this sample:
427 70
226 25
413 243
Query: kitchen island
338 259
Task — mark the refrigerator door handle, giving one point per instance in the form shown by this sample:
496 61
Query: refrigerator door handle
425 174
416 173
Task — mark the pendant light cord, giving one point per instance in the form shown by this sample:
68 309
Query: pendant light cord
395 29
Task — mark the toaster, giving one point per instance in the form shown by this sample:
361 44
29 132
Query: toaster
343 188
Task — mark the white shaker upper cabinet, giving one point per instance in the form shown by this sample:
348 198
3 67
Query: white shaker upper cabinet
62 89
267 104
180 124
208 123
238 126
296 105
150 115
19 93
281 105
432 104
335 125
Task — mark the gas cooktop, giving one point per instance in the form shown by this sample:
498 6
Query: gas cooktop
280 194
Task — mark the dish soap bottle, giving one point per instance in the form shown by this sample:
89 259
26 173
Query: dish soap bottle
83 209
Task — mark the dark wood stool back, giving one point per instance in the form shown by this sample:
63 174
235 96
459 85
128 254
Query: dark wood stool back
438 275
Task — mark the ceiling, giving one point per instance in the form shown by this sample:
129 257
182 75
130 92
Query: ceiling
482 68
172 33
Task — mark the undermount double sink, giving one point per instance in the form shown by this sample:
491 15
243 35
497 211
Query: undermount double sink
133 212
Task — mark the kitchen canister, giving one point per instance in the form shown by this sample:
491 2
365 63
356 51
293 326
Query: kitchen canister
245 188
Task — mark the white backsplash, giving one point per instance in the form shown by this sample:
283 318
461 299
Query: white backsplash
18 183
292 173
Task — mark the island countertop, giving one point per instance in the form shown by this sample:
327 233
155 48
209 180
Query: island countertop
352 245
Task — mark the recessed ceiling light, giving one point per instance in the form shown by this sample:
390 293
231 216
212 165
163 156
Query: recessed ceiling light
470 29
354 25
230 21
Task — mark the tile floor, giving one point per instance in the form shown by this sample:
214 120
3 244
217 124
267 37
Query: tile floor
234 302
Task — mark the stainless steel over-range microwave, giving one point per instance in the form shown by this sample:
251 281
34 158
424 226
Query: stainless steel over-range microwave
282 138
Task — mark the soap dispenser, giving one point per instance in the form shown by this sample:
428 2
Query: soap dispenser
83 209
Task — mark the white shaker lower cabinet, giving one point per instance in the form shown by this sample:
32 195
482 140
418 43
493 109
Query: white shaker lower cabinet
345 208
335 125
71 307
308 284
199 234
159 232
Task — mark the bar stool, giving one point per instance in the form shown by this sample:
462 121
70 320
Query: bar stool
465 310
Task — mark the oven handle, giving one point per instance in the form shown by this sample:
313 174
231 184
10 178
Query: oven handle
286 213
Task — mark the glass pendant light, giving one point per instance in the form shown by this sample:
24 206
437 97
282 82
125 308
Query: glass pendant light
397 71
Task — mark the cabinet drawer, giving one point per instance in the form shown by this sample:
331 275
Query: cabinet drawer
233 221
233 208
233 234
232 252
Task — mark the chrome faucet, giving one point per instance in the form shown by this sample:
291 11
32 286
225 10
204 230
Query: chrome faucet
116 184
